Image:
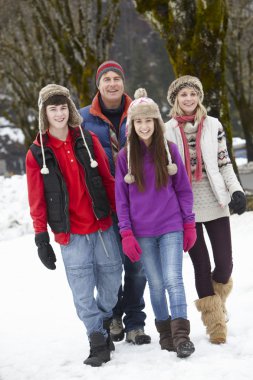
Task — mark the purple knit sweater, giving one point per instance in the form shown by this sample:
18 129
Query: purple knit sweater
153 212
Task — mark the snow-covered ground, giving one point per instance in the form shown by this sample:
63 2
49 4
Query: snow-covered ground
41 338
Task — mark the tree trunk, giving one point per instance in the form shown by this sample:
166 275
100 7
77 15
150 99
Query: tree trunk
195 32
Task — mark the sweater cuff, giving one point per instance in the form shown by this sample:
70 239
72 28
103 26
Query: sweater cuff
126 233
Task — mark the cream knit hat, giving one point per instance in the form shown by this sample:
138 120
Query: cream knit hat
182 82
143 106
74 120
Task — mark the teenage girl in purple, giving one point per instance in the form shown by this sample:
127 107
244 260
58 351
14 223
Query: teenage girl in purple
154 204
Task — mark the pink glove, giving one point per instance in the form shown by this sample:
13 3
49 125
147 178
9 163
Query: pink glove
130 246
190 236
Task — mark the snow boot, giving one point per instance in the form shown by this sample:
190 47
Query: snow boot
99 350
164 330
106 326
213 318
223 290
117 330
180 329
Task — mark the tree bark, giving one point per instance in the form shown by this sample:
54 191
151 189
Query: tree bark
195 33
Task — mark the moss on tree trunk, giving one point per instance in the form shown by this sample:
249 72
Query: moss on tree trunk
195 32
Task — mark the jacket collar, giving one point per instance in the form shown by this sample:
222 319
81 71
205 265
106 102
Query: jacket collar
73 134
95 108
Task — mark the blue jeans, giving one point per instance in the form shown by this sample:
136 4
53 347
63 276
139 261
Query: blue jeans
130 296
93 263
162 258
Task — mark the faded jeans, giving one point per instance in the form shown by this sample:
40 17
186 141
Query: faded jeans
93 261
162 258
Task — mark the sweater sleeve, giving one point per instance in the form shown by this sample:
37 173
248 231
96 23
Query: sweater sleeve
104 171
122 192
182 186
36 197
225 165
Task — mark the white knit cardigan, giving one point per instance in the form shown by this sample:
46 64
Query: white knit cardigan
222 186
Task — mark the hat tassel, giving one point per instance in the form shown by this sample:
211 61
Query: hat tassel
44 169
172 167
129 178
93 163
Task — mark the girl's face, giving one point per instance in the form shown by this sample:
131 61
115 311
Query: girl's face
188 100
144 127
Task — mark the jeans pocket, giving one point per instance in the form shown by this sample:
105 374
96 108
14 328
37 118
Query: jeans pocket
71 239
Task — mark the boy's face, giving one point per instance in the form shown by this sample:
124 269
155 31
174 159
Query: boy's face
57 116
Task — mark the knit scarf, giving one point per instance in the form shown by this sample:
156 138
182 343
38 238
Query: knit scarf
182 120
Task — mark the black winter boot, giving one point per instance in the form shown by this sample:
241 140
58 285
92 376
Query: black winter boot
99 350
180 329
106 326
164 329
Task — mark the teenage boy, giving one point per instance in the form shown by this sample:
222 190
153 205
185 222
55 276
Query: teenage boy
106 117
70 188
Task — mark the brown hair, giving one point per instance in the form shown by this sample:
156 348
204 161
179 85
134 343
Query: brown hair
158 153
56 100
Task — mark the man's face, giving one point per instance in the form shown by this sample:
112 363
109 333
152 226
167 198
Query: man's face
111 87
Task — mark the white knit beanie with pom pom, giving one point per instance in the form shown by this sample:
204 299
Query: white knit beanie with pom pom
143 106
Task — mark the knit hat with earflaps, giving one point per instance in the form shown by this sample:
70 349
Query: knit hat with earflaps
46 92
182 82
143 106
74 120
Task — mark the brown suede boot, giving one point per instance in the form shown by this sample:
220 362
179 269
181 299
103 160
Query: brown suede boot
223 290
164 330
213 318
180 329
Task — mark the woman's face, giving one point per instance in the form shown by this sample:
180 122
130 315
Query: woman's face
188 100
144 127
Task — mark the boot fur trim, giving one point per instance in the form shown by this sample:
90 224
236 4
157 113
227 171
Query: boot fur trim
223 290
212 315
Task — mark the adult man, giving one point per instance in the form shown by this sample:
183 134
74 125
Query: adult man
74 194
106 117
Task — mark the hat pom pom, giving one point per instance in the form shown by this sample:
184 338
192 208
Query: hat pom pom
129 178
140 93
172 169
93 163
44 170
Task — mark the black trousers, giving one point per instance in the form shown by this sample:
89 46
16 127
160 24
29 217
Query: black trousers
219 233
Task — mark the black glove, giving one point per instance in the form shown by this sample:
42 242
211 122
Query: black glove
238 203
45 250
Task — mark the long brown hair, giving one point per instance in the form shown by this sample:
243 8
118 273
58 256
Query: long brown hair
158 153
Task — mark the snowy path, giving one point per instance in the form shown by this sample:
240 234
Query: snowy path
41 337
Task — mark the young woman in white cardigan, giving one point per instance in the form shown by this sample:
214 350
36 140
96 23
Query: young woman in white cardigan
202 144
